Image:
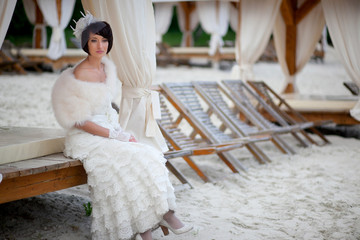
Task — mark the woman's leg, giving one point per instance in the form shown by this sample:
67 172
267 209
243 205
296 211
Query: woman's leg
146 235
172 220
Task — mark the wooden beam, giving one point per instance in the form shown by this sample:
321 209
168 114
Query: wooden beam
305 8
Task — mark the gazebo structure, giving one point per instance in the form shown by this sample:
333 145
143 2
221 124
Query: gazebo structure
296 26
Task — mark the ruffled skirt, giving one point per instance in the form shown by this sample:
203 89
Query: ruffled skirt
129 184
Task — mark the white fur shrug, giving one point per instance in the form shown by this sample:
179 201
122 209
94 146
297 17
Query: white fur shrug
75 101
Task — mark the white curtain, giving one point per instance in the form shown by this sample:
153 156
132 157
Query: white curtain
309 31
163 17
133 53
48 8
194 21
343 21
214 19
6 11
30 11
256 24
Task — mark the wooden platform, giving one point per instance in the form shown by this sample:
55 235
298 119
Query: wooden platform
46 169
37 176
186 53
71 57
314 108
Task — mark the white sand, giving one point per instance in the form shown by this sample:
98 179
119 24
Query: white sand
314 194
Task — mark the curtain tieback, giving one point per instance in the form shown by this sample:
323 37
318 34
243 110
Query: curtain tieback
152 106
56 31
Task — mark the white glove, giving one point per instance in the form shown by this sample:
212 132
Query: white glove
119 134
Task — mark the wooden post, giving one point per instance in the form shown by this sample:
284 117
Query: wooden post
188 8
39 20
216 58
292 16
238 33
288 9
58 7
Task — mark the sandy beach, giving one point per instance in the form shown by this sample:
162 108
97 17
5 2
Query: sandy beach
314 194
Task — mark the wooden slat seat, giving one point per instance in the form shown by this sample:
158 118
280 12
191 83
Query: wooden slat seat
178 140
242 117
280 110
184 98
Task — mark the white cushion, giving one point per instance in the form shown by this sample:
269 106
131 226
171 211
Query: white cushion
20 143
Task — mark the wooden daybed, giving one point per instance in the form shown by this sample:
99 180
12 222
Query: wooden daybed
335 108
32 163
70 57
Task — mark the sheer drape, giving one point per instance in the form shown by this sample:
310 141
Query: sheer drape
343 21
133 53
30 11
308 34
163 17
214 19
194 21
48 8
256 24
6 11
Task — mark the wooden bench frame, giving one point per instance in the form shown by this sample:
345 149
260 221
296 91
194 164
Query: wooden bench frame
56 172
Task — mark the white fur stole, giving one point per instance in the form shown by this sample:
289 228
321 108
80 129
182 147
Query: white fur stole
75 101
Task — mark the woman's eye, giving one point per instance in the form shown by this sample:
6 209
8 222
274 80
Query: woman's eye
93 40
105 40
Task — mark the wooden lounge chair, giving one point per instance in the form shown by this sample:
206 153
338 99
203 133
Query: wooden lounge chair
246 99
250 121
282 112
184 98
179 140
21 62
8 64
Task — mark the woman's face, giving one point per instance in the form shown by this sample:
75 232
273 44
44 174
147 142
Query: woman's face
98 45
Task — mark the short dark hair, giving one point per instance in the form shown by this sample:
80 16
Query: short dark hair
101 28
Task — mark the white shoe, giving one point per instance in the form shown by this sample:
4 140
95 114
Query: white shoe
178 231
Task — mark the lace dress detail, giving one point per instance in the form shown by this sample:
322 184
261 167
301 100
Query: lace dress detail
129 184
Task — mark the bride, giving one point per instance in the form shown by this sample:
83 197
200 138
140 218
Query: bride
129 185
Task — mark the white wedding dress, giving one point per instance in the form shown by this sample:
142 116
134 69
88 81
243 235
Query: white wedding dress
129 184
130 188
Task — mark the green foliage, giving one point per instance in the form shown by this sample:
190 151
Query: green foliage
88 208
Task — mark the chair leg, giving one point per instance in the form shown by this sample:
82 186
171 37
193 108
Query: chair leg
229 160
165 230
177 173
302 142
196 169
283 146
317 132
258 154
